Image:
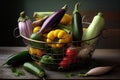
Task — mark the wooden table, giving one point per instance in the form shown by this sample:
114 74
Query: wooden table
112 56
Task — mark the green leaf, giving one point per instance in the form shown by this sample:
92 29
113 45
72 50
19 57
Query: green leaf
69 75
17 72
82 74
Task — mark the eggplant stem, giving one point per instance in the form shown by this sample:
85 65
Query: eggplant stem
64 7
22 17
76 7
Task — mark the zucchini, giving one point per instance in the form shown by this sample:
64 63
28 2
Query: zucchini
34 69
90 36
18 58
64 27
35 36
77 30
40 15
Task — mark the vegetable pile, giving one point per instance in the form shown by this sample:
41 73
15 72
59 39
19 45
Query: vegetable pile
60 37
57 38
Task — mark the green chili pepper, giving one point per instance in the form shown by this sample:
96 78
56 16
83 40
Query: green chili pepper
47 59
18 58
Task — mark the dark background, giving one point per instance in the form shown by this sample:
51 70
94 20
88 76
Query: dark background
10 10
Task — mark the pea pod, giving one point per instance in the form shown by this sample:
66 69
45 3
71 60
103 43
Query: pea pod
77 30
34 69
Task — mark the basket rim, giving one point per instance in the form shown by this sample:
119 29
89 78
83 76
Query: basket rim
38 41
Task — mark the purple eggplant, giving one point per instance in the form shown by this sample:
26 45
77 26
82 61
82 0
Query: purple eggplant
25 25
39 22
52 20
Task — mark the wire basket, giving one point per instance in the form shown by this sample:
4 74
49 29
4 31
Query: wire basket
59 53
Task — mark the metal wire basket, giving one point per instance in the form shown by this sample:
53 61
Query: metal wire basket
59 53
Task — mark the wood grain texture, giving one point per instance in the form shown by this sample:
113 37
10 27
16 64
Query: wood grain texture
6 73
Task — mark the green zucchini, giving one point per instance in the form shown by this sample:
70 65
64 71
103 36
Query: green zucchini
63 27
77 30
34 69
18 58
35 36
90 36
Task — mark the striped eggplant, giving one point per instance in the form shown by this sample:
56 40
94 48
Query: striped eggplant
25 25
52 20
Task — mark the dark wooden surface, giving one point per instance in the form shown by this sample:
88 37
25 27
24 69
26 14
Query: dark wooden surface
112 55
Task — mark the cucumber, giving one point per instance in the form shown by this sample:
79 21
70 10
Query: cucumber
34 69
18 58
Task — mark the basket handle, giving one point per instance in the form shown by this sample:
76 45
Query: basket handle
15 31
84 21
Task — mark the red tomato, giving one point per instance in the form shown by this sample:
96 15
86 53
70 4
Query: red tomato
64 64
67 59
71 52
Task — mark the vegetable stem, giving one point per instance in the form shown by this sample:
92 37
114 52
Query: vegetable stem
22 17
82 75
100 14
64 7
76 8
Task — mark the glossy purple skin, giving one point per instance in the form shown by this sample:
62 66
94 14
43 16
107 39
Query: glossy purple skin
52 21
43 20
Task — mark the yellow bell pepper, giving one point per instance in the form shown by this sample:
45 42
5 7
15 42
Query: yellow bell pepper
37 52
57 38
66 20
36 29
